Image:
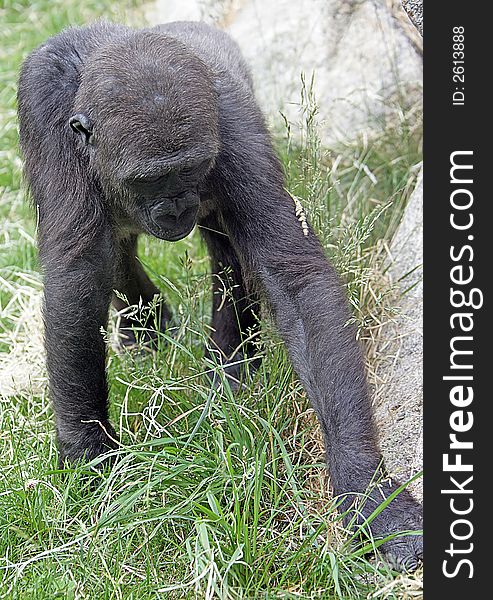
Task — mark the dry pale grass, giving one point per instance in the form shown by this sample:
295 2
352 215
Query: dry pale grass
22 369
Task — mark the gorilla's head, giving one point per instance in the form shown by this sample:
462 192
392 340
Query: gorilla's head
146 109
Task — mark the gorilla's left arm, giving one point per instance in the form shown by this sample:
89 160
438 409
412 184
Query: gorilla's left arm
311 312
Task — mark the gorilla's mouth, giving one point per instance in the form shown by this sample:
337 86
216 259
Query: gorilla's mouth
175 237
170 235
169 228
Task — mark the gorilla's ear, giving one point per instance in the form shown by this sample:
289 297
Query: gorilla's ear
81 124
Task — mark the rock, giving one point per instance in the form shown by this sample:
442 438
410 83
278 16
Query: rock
399 404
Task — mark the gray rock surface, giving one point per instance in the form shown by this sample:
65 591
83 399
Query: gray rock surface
400 372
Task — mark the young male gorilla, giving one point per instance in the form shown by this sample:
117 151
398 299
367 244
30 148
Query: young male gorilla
153 131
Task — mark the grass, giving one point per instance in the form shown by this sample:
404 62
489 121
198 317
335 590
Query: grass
213 495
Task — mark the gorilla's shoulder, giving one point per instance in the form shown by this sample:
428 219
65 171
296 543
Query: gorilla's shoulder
74 44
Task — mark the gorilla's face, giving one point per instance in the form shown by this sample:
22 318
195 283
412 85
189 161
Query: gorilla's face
154 181
151 132
155 185
165 203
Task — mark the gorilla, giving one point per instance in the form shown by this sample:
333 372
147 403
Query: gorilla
153 131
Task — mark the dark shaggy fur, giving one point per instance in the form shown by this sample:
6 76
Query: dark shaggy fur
125 132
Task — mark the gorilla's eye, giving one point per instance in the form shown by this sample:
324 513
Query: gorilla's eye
155 179
195 170
151 181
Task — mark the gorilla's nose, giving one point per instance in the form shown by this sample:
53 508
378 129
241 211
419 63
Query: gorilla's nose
172 214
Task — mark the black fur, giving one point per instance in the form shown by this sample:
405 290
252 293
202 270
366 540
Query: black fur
125 132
